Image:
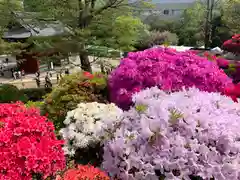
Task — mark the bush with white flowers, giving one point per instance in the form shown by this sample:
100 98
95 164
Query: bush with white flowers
85 123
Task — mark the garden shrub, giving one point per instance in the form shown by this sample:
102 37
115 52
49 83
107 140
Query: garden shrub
84 173
167 69
73 89
183 135
10 93
233 92
28 145
36 94
32 104
83 126
231 68
154 38
233 44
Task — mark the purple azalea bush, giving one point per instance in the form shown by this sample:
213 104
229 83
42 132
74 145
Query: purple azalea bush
188 134
165 68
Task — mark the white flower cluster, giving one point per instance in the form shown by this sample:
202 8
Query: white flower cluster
85 123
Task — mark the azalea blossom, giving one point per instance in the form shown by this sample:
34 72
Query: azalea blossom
85 124
169 70
28 144
182 135
86 172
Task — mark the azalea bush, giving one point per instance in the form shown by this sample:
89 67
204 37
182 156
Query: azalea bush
167 69
31 104
231 68
83 126
233 92
184 135
35 94
73 89
28 145
233 44
86 172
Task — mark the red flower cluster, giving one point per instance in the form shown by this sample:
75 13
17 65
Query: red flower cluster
210 56
221 62
233 92
28 144
88 75
84 173
233 44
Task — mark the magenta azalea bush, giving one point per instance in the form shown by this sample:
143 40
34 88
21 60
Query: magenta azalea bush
167 69
184 135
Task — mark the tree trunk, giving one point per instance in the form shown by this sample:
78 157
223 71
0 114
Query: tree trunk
206 31
85 63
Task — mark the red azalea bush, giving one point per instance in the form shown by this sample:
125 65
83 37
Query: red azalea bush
232 45
84 172
167 69
233 92
221 62
231 68
28 145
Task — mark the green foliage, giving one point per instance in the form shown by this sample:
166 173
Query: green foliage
7 9
72 90
220 32
156 23
156 38
231 14
36 104
10 93
127 30
36 94
116 31
191 29
92 23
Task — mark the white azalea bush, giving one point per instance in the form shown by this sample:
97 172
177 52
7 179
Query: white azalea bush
85 124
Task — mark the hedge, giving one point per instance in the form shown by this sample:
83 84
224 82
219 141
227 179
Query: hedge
36 94
10 93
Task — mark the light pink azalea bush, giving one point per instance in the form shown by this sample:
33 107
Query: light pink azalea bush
183 135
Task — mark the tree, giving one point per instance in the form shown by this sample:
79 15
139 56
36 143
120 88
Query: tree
202 24
7 7
156 38
116 30
78 16
155 22
231 14
192 25
220 31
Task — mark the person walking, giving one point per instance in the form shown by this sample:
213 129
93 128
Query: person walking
15 75
60 74
57 78
67 71
23 73
38 81
12 71
48 83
